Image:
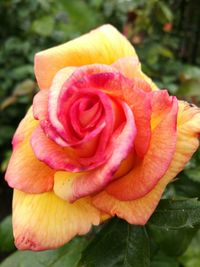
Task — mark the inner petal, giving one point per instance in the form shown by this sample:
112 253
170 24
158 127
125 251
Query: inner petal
83 114
87 113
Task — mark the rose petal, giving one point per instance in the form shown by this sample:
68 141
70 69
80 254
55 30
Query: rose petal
44 221
131 68
147 172
103 45
40 112
40 105
66 101
68 159
60 78
131 91
25 172
52 154
138 211
80 185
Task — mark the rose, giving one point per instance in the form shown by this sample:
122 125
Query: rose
100 140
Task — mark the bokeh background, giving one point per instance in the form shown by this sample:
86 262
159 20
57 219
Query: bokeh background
166 36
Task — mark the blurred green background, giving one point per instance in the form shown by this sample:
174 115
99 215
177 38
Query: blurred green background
166 36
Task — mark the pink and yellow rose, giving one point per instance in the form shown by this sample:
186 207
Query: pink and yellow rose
100 140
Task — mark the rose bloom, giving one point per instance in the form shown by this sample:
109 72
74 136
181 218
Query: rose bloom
100 140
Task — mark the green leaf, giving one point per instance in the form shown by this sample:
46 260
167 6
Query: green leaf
189 72
67 255
175 214
185 187
166 52
26 87
6 236
118 244
163 12
44 26
193 174
191 258
189 88
172 242
161 260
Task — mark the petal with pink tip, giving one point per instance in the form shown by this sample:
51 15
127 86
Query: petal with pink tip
131 68
103 45
52 154
25 172
148 171
44 221
60 78
138 211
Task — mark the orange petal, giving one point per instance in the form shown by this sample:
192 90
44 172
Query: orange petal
103 45
148 171
44 221
25 172
138 211
131 68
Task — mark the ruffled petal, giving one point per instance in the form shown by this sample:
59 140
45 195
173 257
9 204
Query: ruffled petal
104 45
25 172
138 211
148 171
44 221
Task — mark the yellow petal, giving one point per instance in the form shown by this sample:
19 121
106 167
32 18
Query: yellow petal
138 211
44 221
63 182
103 45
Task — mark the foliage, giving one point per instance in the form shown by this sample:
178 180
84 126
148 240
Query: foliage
156 30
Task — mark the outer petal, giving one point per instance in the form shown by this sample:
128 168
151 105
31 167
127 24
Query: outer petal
44 221
131 68
103 45
147 172
25 172
138 211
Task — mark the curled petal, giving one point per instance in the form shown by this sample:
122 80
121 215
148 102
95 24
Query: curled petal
148 171
60 78
139 210
52 154
44 221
